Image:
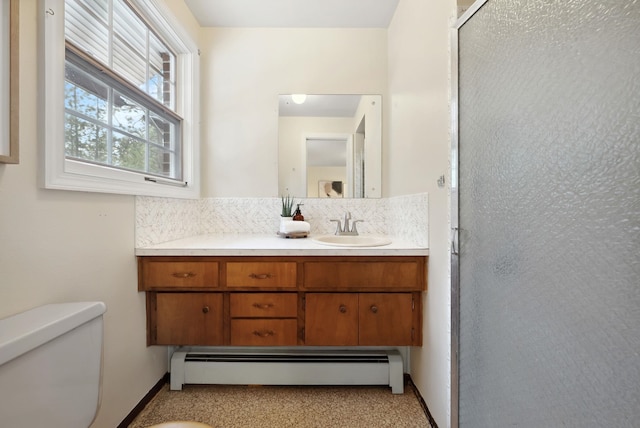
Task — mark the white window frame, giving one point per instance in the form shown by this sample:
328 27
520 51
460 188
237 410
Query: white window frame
57 172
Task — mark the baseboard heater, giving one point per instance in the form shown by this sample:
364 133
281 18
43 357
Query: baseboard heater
288 368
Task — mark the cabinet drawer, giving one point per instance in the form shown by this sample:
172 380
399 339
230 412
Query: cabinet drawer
264 305
157 275
363 274
261 274
263 332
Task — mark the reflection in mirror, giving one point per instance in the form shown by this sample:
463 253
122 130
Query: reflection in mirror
330 146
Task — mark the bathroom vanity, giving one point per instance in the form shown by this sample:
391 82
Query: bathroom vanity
255 290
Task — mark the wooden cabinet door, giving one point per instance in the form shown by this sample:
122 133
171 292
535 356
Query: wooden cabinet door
385 319
189 319
331 319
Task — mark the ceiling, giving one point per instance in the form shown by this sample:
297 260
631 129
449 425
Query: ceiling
293 13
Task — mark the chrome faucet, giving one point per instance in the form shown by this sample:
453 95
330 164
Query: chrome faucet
346 229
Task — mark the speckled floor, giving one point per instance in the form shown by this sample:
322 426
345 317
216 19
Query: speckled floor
231 406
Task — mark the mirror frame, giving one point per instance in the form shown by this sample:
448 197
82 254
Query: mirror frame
10 74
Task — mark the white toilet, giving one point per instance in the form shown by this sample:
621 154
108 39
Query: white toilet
51 366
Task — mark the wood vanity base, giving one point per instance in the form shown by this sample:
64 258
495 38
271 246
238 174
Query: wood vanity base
283 301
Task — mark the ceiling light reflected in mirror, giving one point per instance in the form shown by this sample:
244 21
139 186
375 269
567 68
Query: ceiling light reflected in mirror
299 98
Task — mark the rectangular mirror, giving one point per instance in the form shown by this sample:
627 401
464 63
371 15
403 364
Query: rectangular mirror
330 146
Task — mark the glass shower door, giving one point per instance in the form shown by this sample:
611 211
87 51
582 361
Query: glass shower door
549 214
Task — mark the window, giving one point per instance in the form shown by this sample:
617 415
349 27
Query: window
120 99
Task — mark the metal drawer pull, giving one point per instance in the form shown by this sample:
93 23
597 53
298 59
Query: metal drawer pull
374 309
263 305
183 274
260 275
205 310
343 309
264 333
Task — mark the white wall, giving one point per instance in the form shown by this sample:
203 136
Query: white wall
58 246
244 71
417 154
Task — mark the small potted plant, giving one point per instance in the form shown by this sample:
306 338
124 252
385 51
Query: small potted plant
287 210
287 206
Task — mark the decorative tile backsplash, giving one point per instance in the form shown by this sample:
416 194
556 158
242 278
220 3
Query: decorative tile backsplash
164 219
408 218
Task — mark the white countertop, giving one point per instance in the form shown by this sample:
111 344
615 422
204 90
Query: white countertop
271 245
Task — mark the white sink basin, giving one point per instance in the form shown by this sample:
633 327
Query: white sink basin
352 241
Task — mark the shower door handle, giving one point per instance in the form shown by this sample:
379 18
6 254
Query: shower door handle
455 244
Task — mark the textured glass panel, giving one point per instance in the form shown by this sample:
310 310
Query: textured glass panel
549 113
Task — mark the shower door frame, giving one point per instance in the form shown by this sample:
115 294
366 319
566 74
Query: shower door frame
455 228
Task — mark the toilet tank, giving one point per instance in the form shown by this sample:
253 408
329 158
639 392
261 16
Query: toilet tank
51 366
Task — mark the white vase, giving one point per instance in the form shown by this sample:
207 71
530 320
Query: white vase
282 221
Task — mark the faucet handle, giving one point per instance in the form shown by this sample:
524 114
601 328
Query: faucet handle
338 226
354 230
